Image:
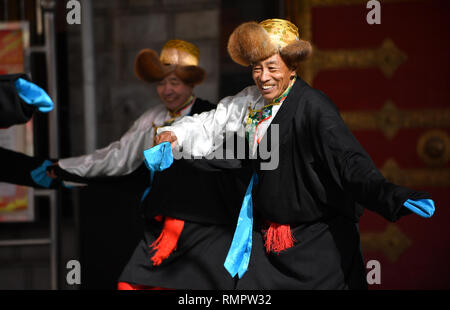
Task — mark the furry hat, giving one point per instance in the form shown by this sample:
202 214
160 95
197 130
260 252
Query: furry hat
251 42
176 56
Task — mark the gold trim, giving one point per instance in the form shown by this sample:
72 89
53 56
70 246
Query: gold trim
390 119
388 57
281 32
179 52
392 242
415 177
433 148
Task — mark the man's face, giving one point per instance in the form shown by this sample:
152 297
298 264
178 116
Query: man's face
272 76
173 91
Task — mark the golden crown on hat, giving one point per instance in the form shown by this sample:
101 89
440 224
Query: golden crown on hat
251 42
177 56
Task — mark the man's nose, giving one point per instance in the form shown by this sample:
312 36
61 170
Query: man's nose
264 76
167 90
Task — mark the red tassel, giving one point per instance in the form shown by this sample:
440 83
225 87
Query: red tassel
167 240
278 237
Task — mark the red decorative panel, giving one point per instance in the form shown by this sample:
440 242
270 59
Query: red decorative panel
392 102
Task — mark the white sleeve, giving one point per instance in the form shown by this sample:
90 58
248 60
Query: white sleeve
201 134
120 157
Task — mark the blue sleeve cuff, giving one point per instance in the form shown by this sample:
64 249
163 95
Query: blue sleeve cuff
39 175
159 157
423 207
33 95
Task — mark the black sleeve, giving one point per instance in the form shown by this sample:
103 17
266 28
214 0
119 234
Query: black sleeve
354 171
13 110
15 168
227 157
137 179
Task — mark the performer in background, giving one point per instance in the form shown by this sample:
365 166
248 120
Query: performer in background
19 99
187 232
300 229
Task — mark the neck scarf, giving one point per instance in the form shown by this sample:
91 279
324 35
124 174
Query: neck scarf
256 117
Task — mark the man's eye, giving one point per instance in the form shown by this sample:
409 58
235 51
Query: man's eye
273 69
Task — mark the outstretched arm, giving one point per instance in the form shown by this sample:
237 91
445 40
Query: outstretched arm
119 158
354 171
201 134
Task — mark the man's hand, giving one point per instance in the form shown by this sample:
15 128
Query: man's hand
166 136
51 172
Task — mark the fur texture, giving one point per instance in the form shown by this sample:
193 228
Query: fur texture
250 43
149 68
190 74
296 52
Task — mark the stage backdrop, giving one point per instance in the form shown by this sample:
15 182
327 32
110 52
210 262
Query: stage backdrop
391 84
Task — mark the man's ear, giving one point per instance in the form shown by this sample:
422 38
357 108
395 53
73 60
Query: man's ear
293 74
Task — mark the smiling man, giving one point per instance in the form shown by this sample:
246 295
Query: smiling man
195 207
298 226
176 73
272 77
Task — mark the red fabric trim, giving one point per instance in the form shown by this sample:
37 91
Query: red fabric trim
278 237
124 286
256 129
167 240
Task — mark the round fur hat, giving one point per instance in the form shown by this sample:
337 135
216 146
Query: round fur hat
251 42
177 56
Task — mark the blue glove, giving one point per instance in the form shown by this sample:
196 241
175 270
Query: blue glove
33 95
39 175
422 207
157 158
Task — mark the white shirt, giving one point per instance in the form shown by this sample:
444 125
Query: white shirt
201 134
125 155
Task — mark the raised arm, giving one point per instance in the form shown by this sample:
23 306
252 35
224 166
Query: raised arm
201 134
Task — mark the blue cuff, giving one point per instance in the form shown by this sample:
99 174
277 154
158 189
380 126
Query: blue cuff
159 157
33 95
39 175
422 207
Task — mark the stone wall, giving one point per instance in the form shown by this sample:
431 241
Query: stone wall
122 28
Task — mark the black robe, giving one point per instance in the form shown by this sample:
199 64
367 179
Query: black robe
207 199
322 183
13 110
15 167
